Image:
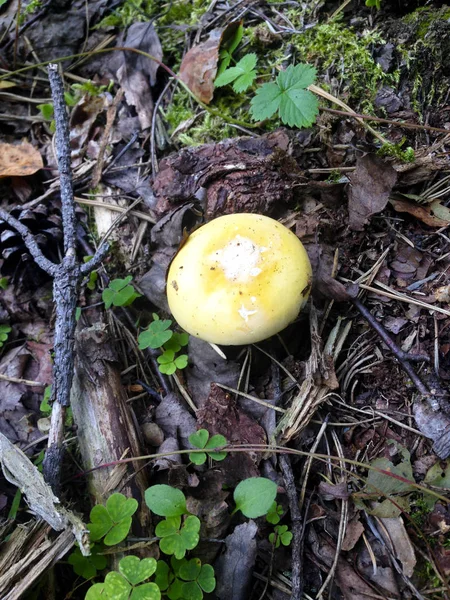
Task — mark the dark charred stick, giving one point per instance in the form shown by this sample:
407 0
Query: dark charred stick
403 357
297 528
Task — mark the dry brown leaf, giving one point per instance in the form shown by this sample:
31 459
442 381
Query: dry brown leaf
199 66
395 533
371 184
425 214
19 160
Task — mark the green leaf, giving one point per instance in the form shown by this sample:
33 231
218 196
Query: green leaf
168 527
386 485
101 522
190 570
3 283
177 341
120 507
254 496
206 579
192 591
87 566
46 111
45 407
198 458
162 575
228 47
438 476
243 74
119 293
135 570
173 544
275 511
156 335
116 587
199 439
297 106
96 592
147 591
190 532
175 591
118 533
216 441
178 542
181 361
165 501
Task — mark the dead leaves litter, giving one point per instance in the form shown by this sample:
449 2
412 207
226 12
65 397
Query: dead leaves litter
19 160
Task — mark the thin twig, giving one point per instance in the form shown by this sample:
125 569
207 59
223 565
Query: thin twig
297 527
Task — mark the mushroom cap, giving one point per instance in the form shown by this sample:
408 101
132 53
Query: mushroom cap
239 279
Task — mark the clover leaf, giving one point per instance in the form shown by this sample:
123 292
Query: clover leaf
192 579
274 514
4 332
119 293
200 439
296 106
281 536
168 364
156 334
175 540
113 520
87 566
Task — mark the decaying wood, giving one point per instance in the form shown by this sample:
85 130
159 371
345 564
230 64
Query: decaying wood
29 551
106 432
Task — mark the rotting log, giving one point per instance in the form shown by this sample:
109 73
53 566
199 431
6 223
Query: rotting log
105 428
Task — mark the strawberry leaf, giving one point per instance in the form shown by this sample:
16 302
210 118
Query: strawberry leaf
243 74
296 106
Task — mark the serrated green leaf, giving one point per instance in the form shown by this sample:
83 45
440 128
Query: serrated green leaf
296 77
265 102
254 496
297 106
147 591
135 570
227 76
199 438
243 74
165 501
206 579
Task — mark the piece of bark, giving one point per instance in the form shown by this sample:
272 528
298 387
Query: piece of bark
240 175
106 431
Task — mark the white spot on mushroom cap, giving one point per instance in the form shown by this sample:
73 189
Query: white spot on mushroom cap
245 313
239 259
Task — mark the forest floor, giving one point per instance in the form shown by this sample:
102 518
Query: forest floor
334 119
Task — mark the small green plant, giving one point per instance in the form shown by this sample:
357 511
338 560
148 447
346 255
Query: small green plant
406 155
275 513
5 330
88 566
254 496
188 580
112 521
228 47
281 535
119 293
201 440
287 95
376 3
3 283
242 74
127 584
93 276
159 335
45 407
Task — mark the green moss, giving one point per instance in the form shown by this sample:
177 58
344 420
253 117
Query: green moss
343 55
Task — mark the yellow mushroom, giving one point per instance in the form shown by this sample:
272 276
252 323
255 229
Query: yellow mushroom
238 279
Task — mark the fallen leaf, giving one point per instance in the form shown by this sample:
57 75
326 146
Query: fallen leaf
370 186
199 65
19 160
353 532
137 73
430 214
399 538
